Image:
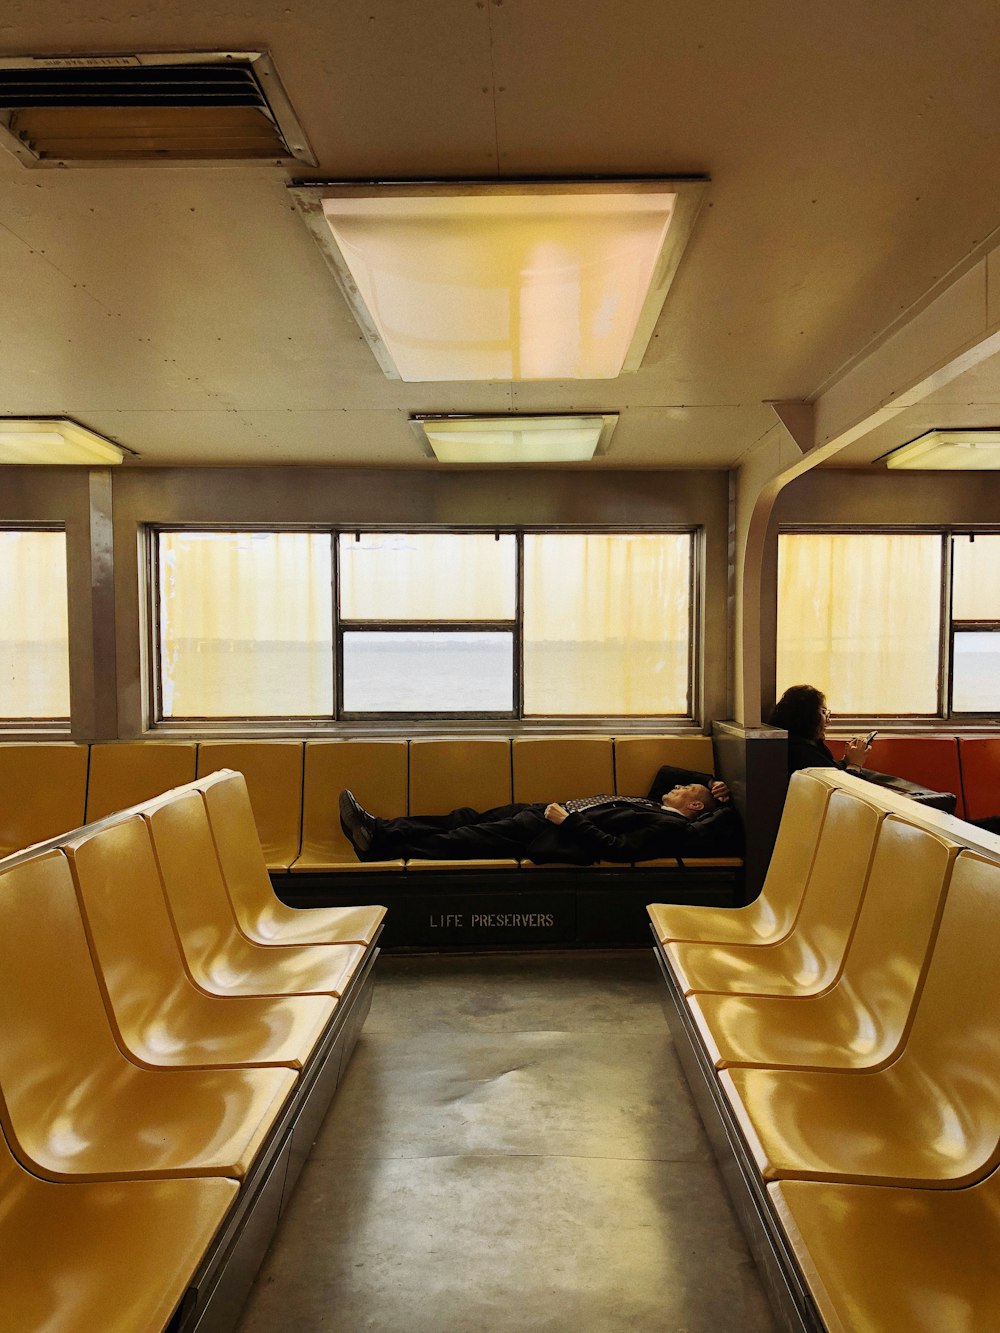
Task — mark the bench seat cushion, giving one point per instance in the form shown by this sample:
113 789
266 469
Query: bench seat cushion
115 1256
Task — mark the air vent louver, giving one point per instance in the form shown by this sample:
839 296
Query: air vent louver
76 110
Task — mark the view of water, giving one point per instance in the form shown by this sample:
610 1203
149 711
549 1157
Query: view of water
467 672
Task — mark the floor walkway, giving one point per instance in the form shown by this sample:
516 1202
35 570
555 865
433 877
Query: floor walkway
513 1147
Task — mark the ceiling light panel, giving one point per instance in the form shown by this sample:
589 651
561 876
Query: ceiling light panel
54 440
497 282
949 451
512 440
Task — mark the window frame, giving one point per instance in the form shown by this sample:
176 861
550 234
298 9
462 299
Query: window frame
947 624
341 719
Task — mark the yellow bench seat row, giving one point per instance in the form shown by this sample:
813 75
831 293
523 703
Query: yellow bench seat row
860 1101
135 1099
294 784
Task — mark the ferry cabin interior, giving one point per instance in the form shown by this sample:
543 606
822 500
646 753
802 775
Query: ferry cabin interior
185 193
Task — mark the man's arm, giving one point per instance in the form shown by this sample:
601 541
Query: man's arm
668 777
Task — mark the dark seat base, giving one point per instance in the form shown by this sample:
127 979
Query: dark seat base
538 909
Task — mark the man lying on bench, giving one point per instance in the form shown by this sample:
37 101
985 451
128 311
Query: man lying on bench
692 817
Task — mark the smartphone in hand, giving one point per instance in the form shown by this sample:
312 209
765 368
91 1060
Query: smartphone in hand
869 738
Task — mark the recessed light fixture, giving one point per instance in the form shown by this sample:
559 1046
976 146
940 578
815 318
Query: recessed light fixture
949 451
456 439
54 440
504 280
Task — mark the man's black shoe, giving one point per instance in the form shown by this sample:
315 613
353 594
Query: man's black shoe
358 825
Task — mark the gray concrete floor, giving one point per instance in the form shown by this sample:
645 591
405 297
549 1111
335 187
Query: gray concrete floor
512 1147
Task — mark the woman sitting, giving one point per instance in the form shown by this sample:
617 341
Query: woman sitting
802 712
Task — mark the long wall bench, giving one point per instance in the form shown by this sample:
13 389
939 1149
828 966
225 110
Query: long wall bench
839 1036
170 1039
294 785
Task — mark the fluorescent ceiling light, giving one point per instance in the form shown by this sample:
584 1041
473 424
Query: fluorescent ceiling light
515 439
950 451
505 281
54 440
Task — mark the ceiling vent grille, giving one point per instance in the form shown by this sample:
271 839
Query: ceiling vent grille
128 109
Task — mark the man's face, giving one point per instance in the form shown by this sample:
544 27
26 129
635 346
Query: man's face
686 800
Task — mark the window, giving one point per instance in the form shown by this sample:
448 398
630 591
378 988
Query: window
34 641
245 624
873 620
975 625
607 624
422 624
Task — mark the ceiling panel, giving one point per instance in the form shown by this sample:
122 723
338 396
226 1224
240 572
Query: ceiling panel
854 152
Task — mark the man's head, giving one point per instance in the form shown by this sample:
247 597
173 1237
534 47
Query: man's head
690 800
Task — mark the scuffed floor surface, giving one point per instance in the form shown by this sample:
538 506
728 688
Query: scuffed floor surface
512 1147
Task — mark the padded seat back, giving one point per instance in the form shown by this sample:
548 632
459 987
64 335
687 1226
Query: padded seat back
638 758
235 836
273 773
126 773
794 851
557 768
191 875
838 879
956 1029
979 757
894 936
45 786
376 771
56 1048
139 962
446 774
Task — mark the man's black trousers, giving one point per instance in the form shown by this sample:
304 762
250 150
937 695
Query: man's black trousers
463 835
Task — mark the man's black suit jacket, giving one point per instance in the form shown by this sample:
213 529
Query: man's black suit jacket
625 833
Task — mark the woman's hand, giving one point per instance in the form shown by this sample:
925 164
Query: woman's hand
856 751
555 814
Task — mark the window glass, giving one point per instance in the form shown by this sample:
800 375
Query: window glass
34 625
440 671
606 623
246 624
975 684
428 576
976 578
859 618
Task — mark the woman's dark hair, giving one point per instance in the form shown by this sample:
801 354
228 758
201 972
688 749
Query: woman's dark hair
798 711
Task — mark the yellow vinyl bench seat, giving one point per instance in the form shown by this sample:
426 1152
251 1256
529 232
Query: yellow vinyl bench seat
771 916
71 1105
376 771
160 1017
889 1260
272 771
111 1255
220 959
807 960
931 1119
862 1021
259 913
